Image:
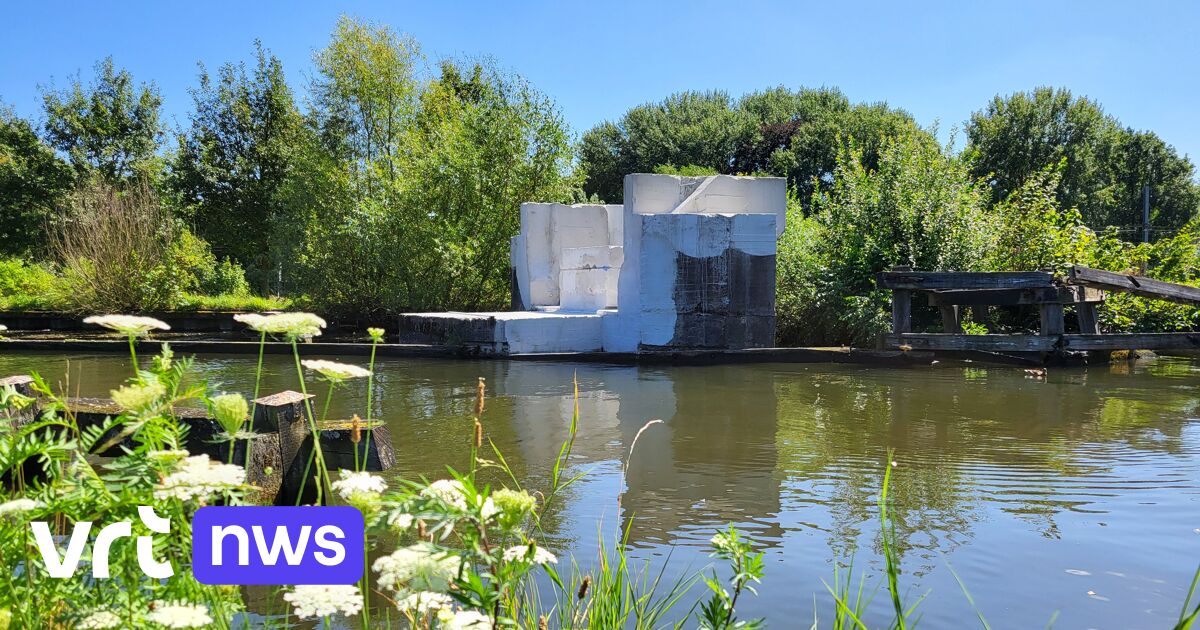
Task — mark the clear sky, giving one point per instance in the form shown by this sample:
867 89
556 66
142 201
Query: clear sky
939 61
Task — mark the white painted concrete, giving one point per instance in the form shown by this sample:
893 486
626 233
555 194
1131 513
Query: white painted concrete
546 230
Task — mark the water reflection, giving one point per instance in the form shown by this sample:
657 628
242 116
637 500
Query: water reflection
1039 491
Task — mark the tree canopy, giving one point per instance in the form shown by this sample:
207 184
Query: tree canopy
32 182
1106 165
109 128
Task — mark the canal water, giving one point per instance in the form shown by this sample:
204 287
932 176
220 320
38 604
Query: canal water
1076 495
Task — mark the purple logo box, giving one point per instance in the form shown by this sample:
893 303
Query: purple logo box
277 545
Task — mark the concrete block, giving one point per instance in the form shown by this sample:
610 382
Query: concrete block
584 290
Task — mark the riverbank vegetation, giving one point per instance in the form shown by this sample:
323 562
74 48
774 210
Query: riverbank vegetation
468 551
391 182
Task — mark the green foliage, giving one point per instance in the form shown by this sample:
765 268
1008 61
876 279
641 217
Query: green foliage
781 132
108 129
1106 165
32 182
233 160
746 568
690 170
921 208
20 277
201 272
405 190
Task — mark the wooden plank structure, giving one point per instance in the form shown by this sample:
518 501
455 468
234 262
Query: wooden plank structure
1081 290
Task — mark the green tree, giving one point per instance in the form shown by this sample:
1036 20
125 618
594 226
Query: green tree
33 181
781 132
406 189
1107 165
110 128
233 160
702 129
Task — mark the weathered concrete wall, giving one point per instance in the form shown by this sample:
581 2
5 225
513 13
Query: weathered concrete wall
547 229
698 236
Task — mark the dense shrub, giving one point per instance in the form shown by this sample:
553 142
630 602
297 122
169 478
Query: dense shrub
921 208
201 272
116 251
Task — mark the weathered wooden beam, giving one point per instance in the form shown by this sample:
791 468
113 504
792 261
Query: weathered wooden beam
1132 341
901 311
951 319
1012 297
1052 322
930 280
1088 322
986 343
1137 285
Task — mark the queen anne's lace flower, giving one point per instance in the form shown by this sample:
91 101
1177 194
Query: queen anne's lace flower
417 567
335 371
128 324
400 521
199 478
230 410
288 324
138 397
376 334
3 328
353 483
424 602
521 553
324 601
167 456
179 615
464 620
449 491
18 506
100 620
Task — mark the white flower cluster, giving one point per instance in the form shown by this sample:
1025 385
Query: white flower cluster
100 620
400 521
464 620
18 506
419 567
324 601
127 324
288 324
521 553
353 483
199 478
424 602
452 493
335 371
179 615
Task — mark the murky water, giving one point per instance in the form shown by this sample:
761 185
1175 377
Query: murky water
1078 494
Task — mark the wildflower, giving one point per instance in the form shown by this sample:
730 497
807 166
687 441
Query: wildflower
4 328
138 397
291 325
199 478
376 334
335 371
513 505
424 602
230 410
464 620
179 615
100 620
131 325
448 491
400 521
358 483
525 553
417 567
18 506
324 601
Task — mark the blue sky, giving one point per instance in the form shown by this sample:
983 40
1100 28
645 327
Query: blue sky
940 61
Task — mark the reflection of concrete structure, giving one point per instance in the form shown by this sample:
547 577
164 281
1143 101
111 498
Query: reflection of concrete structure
687 262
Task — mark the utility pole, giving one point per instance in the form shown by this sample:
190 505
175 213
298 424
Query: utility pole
1146 214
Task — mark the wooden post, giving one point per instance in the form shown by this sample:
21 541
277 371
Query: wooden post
1051 320
901 307
284 413
951 320
1086 312
23 385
